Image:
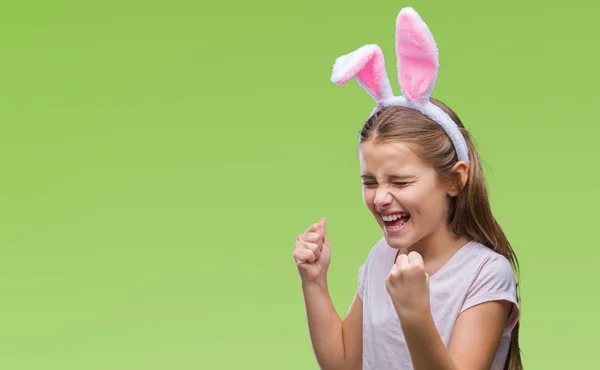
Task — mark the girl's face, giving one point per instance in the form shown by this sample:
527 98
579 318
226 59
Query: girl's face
403 193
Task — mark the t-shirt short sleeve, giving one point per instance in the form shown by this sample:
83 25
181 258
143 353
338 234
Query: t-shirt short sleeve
495 282
361 281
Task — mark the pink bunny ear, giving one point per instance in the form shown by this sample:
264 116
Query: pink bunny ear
417 56
367 65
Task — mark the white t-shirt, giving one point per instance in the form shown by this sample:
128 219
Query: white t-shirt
475 274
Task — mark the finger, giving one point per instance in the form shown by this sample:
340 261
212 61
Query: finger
321 226
304 256
323 223
393 272
312 237
415 259
312 228
402 261
398 254
316 249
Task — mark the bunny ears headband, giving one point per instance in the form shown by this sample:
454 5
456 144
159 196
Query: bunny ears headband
418 65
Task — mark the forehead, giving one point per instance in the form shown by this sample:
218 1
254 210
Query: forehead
379 159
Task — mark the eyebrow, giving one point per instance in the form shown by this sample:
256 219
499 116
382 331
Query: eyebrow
393 177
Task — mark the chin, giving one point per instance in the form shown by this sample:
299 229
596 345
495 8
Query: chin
400 239
397 242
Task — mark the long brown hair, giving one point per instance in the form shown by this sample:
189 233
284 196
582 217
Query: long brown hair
470 212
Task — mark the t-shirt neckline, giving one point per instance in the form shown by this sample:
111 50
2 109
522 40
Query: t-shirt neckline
444 266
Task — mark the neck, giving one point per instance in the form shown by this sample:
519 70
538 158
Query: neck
438 247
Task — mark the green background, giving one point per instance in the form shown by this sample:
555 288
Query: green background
158 160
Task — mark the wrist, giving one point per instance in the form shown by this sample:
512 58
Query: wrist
413 316
315 285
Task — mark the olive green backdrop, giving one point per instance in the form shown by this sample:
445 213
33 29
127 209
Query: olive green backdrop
158 160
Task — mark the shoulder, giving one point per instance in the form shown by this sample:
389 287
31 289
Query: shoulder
475 264
494 280
491 266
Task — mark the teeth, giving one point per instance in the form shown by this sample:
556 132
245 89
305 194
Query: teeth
393 217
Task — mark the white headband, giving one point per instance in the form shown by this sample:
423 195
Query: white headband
418 66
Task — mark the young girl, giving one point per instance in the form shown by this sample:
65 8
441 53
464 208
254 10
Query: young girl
438 291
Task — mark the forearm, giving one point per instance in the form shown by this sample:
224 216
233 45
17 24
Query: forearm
324 325
427 350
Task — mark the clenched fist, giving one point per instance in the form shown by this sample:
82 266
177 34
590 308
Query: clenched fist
312 253
408 284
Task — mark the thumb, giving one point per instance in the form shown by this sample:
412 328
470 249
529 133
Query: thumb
323 225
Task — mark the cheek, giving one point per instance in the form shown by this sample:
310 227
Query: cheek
421 201
433 204
411 198
368 196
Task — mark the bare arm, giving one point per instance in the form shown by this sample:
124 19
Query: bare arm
477 334
337 344
353 335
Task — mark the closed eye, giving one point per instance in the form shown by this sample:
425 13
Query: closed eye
394 183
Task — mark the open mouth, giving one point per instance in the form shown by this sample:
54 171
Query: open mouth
395 221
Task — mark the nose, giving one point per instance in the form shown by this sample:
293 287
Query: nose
382 198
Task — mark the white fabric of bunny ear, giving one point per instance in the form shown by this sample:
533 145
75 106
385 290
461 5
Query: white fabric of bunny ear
367 66
418 65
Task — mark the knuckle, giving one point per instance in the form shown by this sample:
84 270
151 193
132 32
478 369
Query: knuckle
416 268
